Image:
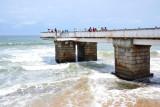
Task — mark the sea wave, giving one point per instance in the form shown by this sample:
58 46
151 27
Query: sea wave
23 43
22 94
29 77
99 90
45 67
155 53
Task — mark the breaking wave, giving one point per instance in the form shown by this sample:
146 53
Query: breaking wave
30 77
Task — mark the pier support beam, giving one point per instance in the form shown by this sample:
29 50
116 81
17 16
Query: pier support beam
87 51
131 61
65 51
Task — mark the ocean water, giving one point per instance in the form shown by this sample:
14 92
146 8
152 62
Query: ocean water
30 77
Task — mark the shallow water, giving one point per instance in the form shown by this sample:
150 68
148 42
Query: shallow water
30 77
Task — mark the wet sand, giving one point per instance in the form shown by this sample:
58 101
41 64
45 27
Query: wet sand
138 103
77 96
81 95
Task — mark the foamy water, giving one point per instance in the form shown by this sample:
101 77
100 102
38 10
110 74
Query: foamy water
30 77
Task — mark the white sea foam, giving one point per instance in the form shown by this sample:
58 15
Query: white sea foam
100 84
5 91
155 62
113 97
158 51
31 55
149 92
45 67
97 75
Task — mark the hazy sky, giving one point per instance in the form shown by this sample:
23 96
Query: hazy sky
33 16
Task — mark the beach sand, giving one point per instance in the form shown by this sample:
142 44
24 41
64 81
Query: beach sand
81 95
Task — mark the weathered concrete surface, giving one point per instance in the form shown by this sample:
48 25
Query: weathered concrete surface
126 43
87 51
65 51
131 61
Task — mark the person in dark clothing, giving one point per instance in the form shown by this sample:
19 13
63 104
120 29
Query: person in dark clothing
94 29
55 30
49 30
90 29
105 28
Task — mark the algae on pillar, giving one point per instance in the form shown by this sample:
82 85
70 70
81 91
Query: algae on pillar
65 51
131 61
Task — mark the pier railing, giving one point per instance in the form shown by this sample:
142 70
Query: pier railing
153 33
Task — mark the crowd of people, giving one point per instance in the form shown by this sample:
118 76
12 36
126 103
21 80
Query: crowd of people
55 30
90 29
52 30
93 29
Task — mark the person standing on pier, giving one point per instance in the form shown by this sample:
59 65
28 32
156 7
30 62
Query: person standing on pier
55 30
49 30
90 29
105 28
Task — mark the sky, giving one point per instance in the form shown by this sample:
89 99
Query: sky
30 17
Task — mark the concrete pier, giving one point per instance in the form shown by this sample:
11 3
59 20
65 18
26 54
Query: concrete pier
87 51
131 47
131 61
65 51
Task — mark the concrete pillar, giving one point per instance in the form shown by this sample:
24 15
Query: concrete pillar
87 51
131 61
65 51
